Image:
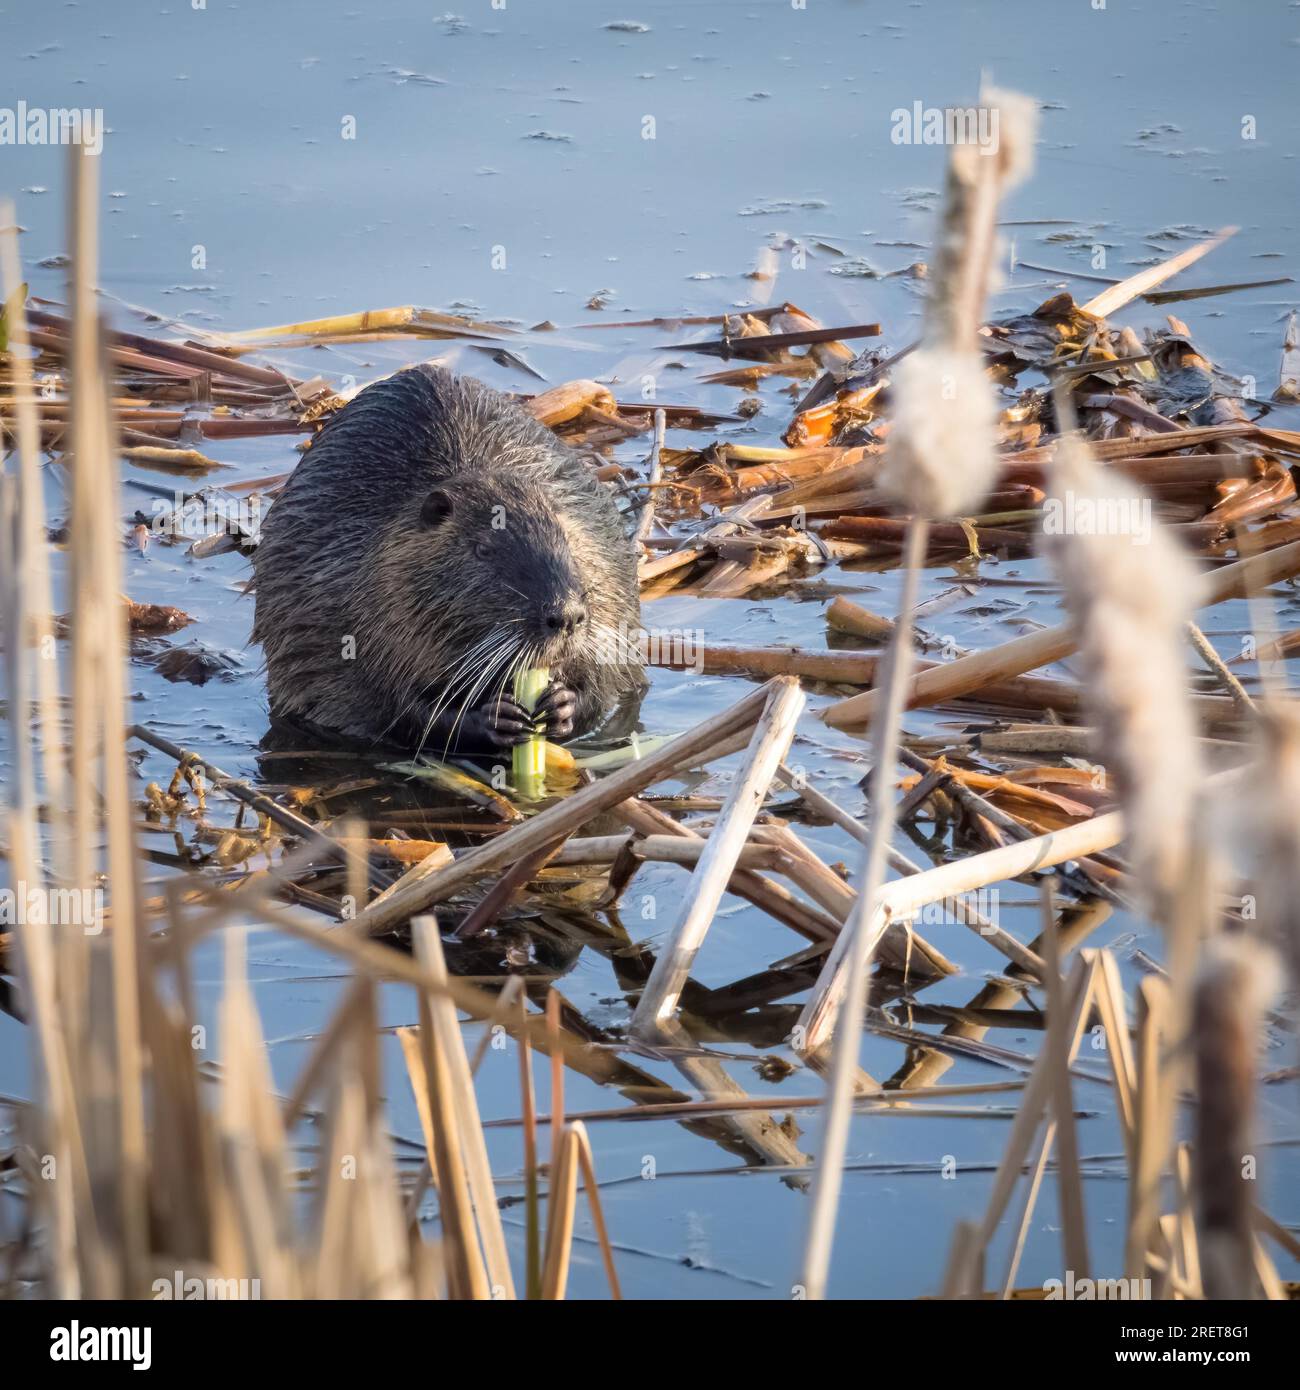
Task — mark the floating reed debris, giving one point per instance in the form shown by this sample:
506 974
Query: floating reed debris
170 1161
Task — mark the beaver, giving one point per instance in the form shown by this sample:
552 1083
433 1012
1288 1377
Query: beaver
433 541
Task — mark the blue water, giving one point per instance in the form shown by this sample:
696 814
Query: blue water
500 168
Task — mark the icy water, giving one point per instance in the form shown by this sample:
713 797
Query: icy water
500 168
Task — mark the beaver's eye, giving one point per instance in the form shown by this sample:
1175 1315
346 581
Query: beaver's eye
482 549
436 508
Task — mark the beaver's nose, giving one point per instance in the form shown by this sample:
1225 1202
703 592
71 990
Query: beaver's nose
566 617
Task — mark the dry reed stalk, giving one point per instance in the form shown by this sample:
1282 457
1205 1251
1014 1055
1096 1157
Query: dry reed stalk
407 318
251 1139
561 1207
565 403
557 1073
650 822
27 614
885 535
756 1130
1186 1244
745 562
498 897
922 1069
1074 1228
1115 297
380 963
364 1250
455 1154
413 1056
846 616
858 940
1032 1189
1109 998
1056 739
903 897
732 520
451 1043
1261 820
767 746
574 1159
889 1100
969 1250
654 475
1205 650
29 570
1021 654
715 659
898 946
929 686
532 1209
1277 1232
1155 1093
592 1188
335 1231
968 916
964 1275
1235 985
99 644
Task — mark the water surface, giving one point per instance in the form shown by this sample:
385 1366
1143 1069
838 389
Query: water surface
499 168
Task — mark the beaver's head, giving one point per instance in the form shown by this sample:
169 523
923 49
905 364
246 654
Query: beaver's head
488 581
515 563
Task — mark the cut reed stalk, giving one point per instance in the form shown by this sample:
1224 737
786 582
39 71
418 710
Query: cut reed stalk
767 746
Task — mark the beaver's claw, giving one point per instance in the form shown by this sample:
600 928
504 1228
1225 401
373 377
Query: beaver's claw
558 710
498 724
502 722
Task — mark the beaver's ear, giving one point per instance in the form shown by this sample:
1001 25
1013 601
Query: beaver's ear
436 508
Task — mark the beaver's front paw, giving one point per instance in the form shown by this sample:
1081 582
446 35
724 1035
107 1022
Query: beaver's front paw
557 710
498 723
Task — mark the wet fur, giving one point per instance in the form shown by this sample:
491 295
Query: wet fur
441 614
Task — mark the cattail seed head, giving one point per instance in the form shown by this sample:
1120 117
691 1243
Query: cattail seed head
942 456
1129 588
1017 128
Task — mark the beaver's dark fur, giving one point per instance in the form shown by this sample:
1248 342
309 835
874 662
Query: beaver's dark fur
433 540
